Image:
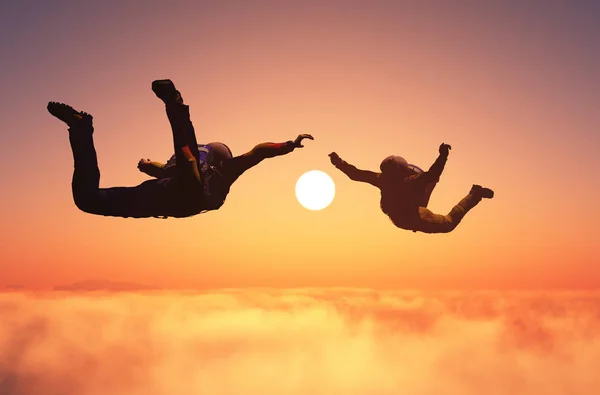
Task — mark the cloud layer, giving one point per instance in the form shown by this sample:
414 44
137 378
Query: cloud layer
312 341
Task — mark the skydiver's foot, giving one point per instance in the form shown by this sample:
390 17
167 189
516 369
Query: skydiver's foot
166 91
69 115
479 191
64 112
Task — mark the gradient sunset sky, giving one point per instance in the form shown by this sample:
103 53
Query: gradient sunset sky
514 87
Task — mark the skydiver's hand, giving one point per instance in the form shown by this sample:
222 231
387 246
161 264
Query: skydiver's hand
445 149
335 159
143 165
298 141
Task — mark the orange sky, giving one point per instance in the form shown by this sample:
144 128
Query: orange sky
514 90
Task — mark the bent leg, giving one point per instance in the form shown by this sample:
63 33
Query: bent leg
430 222
178 113
86 175
149 199
182 128
187 154
152 198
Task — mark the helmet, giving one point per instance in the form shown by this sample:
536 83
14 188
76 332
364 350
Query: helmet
394 164
217 154
216 185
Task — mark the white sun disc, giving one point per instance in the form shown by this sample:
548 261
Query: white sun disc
315 190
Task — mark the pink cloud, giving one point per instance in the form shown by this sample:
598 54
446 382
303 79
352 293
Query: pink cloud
309 341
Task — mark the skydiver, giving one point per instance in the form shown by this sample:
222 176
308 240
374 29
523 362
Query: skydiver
404 193
195 183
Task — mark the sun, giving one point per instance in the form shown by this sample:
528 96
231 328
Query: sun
315 190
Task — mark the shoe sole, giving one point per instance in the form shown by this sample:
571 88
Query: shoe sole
64 112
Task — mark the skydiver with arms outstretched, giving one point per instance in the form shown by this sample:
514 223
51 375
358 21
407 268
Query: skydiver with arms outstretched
198 179
404 193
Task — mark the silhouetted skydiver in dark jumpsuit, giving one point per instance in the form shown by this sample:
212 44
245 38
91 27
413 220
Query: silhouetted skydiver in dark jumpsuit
195 183
404 194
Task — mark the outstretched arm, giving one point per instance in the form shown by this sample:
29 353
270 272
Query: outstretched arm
237 166
435 171
354 173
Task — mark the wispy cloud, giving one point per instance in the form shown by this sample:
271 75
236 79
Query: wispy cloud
311 341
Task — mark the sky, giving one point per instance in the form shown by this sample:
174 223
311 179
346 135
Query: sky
514 87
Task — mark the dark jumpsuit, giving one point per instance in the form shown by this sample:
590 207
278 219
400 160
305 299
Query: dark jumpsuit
181 194
405 200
